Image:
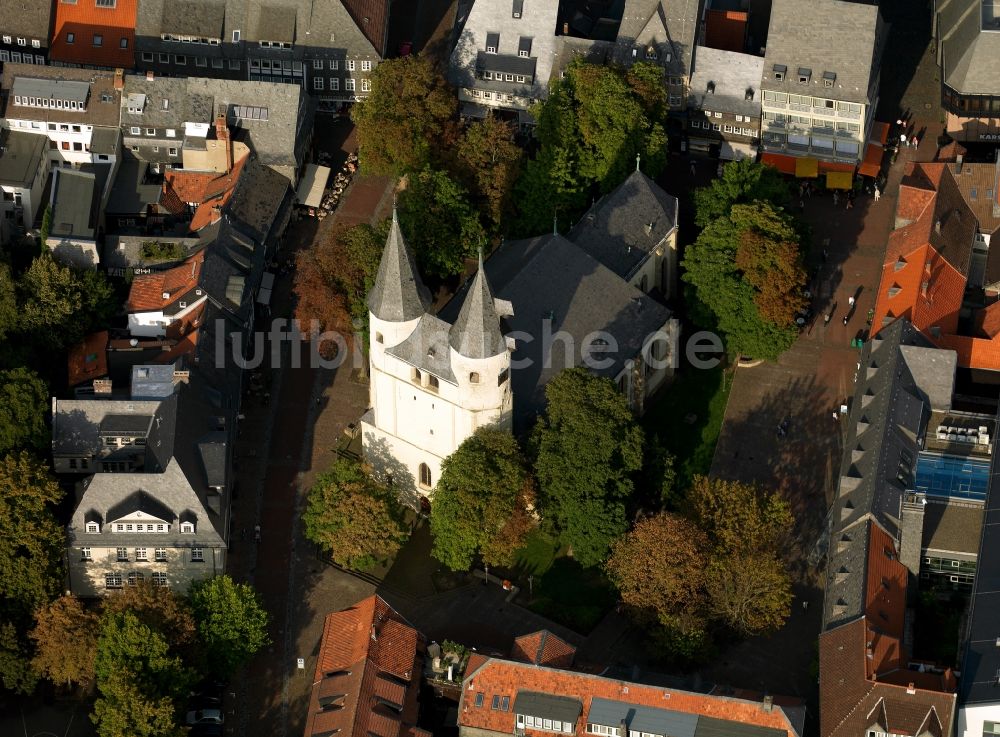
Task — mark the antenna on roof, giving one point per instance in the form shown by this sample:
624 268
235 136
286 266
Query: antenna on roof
555 224
637 157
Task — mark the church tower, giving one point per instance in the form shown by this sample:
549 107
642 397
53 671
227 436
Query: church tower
432 384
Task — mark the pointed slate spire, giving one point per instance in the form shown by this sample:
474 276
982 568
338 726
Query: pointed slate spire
398 294
476 333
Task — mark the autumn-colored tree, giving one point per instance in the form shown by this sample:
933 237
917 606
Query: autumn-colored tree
160 609
353 517
752 594
488 163
773 267
481 501
740 518
65 636
406 117
659 567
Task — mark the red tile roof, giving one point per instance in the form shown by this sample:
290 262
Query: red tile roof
988 321
88 360
209 191
495 677
84 19
543 648
368 658
148 290
372 19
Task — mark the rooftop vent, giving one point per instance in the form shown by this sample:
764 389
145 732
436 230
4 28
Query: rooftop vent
166 295
710 87
748 95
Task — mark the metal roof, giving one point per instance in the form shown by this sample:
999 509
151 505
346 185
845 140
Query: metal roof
547 706
51 89
642 718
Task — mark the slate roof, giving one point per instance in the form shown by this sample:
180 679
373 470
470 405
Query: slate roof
131 194
116 494
549 278
665 24
102 102
969 56
476 331
398 294
592 696
84 19
427 348
837 36
731 75
981 659
77 424
260 205
368 670
622 228
31 19
20 157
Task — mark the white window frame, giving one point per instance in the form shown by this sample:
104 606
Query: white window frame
197 555
335 64
350 65
160 555
366 66
318 64
93 527
318 83
236 35
334 84
85 554
135 130
187 528
140 554
349 84
366 85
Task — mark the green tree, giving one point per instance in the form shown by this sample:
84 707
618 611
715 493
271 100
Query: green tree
163 611
752 594
440 225
480 501
9 312
65 637
60 304
593 124
587 446
125 710
16 672
24 404
742 182
728 266
356 519
405 118
740 518
232 623
31 548
487 163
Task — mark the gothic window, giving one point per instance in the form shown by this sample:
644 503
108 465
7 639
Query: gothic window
425 476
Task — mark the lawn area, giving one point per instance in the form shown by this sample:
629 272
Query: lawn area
699 394
563 590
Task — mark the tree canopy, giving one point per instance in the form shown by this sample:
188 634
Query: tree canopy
408 113
747 277
481 501
355 518
587 447
24 405
593 124
440 225
65 637
232 623
488 163
160 609
741 183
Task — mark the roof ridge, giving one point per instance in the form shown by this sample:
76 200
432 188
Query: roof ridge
541 646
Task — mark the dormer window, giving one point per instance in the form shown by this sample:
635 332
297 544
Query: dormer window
710 88
492 43
518 9
779 71
93 527
651 53
829 78
804 75
524 47
187 528
474 377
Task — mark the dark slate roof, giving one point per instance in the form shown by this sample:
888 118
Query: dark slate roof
398 294
969 56
711 727
231 273
981 661
261 202
549 278
138 501
548 706
731 74
825 36
624 226
200 18
20 156
214 457
954 528
73 210
476 332
130 194
427 348
506 63
888 416
29 18
642 718
669 25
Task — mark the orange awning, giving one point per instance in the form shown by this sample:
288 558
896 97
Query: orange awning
827 166
880 133
872 164
806 167
781 162
839 180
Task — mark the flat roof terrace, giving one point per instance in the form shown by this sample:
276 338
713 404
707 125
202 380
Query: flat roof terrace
960 434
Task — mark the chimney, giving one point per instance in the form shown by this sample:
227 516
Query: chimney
102 386
119 79
768 704
149 76
937 227
222 135
911 688
565 29
958 163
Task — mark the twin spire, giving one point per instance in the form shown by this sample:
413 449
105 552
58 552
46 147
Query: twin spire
400 296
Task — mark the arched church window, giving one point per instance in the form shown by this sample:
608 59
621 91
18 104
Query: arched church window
379 338
474 377
425 475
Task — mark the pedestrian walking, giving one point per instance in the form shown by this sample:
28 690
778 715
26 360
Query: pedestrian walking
850 301
692 168
877 193
836 198
836 415
902 140
915 141
899 122
850 200
847 317
826 318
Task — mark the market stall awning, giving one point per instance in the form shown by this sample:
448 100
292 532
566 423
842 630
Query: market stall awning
872 164
781 162
312 185
806 167
839 180
880 133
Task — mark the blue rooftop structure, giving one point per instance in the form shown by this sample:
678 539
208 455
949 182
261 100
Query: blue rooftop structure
952 477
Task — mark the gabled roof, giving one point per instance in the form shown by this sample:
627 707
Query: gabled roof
31 19
398 294
209 191
665 24
582 698
969 54
367 674
163 290
476 332
622 228
85 20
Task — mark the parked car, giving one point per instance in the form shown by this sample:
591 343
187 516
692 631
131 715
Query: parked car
205 716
